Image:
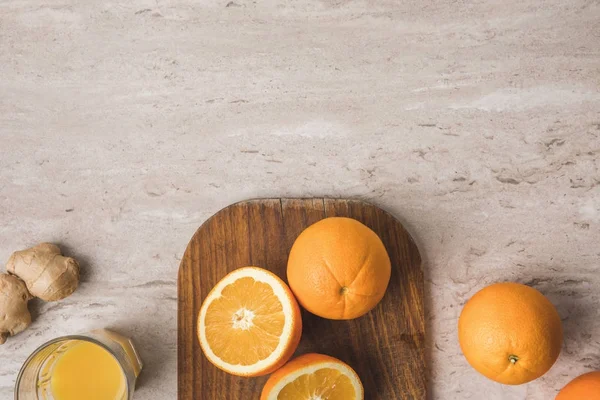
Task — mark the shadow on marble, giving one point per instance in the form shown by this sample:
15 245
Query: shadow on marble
82 259
154 355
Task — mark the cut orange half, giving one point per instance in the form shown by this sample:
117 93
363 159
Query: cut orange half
249 324
314 377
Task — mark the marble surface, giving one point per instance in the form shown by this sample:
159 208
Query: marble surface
125 125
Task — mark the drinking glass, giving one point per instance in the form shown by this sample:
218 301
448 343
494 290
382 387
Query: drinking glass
33 381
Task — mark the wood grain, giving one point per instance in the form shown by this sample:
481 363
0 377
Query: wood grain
386 347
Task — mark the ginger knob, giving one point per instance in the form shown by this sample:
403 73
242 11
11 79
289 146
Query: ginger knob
46 272
14 314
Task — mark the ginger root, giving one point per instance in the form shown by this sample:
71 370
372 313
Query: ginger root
14 314
47 274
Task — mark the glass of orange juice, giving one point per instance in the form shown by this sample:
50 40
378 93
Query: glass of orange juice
98 365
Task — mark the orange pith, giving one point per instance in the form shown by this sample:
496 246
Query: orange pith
250 323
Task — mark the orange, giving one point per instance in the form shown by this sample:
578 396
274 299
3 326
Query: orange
510 333
585 387
338 268
314 376
249 324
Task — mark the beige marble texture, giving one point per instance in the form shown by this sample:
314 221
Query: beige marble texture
125 125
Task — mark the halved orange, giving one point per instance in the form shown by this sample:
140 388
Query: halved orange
314 376
249 324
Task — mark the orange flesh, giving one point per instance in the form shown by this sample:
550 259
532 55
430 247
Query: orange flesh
244 324
323 384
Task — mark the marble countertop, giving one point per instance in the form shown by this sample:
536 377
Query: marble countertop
125 125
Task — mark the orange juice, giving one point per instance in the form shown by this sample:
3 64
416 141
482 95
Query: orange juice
87 371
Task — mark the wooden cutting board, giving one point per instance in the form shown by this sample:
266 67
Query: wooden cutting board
386 347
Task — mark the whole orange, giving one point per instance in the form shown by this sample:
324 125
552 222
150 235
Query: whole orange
586 386
338 268
510 333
